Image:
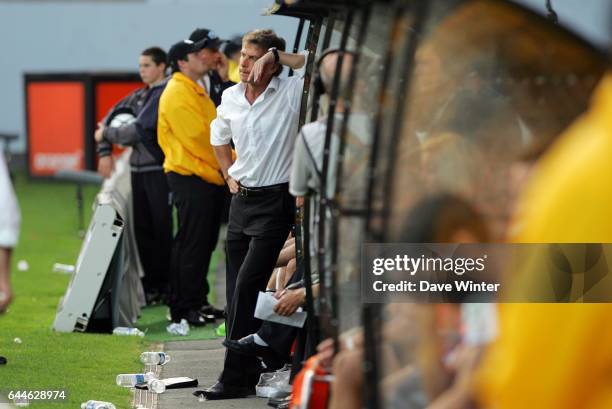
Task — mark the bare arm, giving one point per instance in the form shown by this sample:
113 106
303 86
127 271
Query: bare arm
291 60
224 157
6 293
294 61
285 255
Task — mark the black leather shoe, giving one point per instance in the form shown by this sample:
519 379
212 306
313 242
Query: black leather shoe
247 346
209 309
222 391
195 318
3 360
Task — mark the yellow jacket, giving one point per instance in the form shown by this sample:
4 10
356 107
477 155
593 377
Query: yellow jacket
183 130
560 355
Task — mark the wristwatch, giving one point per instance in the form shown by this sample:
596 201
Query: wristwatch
275 52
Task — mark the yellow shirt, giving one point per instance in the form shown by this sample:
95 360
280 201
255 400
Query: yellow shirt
183 130
559 356
233 73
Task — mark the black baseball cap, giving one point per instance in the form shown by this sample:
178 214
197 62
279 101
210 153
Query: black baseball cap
180 50
231 46
207 37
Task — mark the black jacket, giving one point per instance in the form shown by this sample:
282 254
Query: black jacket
217 86
141 134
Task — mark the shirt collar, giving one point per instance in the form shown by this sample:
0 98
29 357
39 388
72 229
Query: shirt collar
274 83
272 87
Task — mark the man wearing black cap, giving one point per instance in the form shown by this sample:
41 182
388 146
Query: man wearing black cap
215 80
194 177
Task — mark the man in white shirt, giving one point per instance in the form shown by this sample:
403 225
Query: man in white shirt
260 115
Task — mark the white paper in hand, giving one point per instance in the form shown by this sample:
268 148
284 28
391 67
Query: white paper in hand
265 311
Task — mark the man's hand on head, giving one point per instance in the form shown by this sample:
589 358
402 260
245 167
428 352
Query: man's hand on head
260 67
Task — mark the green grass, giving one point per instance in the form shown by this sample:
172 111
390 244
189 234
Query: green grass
154 322
83 364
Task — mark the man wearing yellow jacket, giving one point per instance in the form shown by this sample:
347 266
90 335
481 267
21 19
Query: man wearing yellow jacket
194 177
559 356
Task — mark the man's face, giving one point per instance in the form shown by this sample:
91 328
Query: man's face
193 67
248 55
150 73
209 57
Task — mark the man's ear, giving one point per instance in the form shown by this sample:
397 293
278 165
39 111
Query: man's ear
180 63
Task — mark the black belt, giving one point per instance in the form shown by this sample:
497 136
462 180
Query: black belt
263 190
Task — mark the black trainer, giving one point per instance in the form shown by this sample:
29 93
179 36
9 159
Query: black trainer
210 309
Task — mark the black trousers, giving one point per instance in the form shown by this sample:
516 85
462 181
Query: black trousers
199 207
258 227
153 227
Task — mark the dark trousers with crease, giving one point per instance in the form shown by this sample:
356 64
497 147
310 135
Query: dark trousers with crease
153 227
199 207
258 227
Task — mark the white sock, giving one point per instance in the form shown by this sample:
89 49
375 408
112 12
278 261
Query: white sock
259 341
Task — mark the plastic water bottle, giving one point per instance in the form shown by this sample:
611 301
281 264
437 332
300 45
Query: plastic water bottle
96 404
132 379
63 268
154 358
128 331
156 386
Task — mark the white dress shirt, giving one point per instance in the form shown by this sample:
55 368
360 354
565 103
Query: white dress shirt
263 133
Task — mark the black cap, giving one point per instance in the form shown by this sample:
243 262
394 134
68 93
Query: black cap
231 46
180 50
207 37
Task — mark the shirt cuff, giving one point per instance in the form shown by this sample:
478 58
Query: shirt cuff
297 192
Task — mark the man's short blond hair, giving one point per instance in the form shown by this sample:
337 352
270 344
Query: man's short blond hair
265 39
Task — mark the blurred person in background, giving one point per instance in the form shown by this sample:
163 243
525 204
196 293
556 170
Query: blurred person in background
558 355
216 79
10 219
150 194
231 49
195 180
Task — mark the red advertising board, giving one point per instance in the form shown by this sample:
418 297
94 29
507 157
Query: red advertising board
55 126
62 112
